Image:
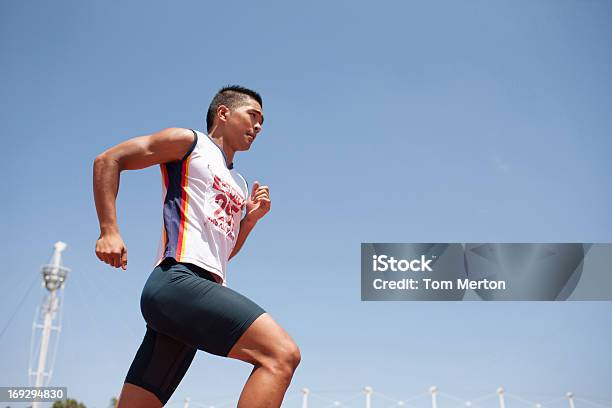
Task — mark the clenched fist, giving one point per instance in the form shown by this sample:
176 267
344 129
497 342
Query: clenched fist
111 249
259 202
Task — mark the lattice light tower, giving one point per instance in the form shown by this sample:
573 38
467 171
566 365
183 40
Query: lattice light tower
47 320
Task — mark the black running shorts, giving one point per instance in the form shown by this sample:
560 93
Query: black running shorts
185 310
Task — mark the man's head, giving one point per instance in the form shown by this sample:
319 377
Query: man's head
237 113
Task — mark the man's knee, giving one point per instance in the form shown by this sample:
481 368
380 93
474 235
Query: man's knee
293 355
286 357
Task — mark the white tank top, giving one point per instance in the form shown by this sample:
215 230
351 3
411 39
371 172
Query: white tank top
203 205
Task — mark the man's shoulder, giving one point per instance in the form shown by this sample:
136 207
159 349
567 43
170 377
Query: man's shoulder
180 140
179 133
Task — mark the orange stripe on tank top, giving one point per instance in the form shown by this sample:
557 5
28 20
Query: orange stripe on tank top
165 180
184 206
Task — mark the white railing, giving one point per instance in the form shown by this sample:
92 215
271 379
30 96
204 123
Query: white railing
369 397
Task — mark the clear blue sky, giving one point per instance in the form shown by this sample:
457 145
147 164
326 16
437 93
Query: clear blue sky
437 121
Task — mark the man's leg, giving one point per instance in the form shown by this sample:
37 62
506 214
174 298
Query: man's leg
133 396
275 356
159 366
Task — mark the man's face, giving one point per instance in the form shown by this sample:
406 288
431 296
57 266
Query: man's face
242 125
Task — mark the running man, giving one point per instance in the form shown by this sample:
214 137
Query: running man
208 213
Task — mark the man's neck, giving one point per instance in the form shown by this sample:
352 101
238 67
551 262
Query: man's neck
217 138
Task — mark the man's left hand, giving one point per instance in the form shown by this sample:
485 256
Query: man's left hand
258 203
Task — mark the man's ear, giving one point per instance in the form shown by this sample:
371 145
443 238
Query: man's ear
223 113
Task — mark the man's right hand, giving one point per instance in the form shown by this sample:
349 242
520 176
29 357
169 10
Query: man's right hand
111 249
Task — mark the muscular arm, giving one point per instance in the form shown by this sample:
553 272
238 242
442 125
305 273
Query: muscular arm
162 147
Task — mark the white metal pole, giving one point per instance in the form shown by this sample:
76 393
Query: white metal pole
368 393
305 392
44 344
570 398
187 399
500 393
50 309
434 402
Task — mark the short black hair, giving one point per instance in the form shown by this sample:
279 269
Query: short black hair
231 96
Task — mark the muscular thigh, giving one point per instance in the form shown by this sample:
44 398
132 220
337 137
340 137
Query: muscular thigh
179 300
264 339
